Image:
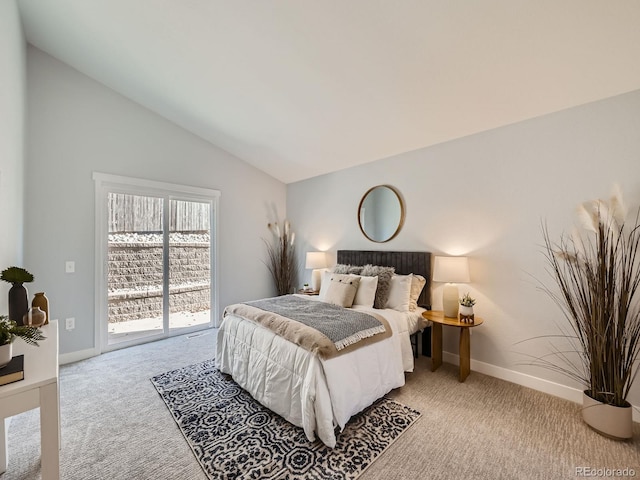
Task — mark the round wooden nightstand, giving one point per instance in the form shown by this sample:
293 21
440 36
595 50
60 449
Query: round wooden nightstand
438 319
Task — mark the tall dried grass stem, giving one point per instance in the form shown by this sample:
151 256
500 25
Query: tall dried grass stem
597 278
281 257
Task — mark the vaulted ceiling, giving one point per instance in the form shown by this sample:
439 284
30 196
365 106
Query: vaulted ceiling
299 88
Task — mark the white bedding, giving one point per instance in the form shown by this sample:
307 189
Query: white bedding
309 392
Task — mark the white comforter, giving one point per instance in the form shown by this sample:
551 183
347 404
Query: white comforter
314 394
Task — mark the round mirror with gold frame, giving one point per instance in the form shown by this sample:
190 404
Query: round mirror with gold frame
381 213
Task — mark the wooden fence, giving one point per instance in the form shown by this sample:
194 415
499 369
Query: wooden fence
135 213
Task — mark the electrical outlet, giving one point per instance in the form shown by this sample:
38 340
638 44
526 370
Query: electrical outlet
70 323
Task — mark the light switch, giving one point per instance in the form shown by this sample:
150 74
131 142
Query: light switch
70 267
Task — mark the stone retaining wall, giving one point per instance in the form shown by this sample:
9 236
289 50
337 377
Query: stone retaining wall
135 278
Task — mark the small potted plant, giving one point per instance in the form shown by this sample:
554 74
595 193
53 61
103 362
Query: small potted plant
18 296
9 330
466 307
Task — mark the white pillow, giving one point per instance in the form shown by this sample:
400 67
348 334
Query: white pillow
324 284
400 293
366 293
417 284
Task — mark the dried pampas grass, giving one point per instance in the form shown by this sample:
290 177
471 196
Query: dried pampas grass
597 278
281 257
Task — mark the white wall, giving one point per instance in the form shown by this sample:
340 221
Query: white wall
77 126
485 196
12 118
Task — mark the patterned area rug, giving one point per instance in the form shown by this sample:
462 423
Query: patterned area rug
233 436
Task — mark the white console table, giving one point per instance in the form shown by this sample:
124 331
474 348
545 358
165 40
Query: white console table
38 389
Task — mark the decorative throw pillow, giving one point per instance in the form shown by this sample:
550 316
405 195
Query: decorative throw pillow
342 289
347 269
366 294
399 293
417 284
384 275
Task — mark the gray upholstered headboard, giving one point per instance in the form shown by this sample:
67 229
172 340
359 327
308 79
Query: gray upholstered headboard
405 263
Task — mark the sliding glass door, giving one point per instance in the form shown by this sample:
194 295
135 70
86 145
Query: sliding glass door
135 274
158 261
189 264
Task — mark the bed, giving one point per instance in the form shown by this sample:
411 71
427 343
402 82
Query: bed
322 394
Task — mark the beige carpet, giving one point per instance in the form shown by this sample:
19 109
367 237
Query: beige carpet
115 426
487 428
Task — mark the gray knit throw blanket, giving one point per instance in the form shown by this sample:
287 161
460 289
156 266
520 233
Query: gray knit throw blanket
342 326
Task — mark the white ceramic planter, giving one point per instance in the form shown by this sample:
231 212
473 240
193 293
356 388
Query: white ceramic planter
6 353
614 422
467 311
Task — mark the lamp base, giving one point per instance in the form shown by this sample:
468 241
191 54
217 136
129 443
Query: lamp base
450 300
316 279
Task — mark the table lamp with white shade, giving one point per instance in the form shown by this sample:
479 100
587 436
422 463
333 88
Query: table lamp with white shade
316 261
451 270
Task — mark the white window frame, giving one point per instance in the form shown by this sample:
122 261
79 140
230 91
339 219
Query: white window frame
105 183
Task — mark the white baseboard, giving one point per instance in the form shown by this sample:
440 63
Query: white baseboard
540 384
72 357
